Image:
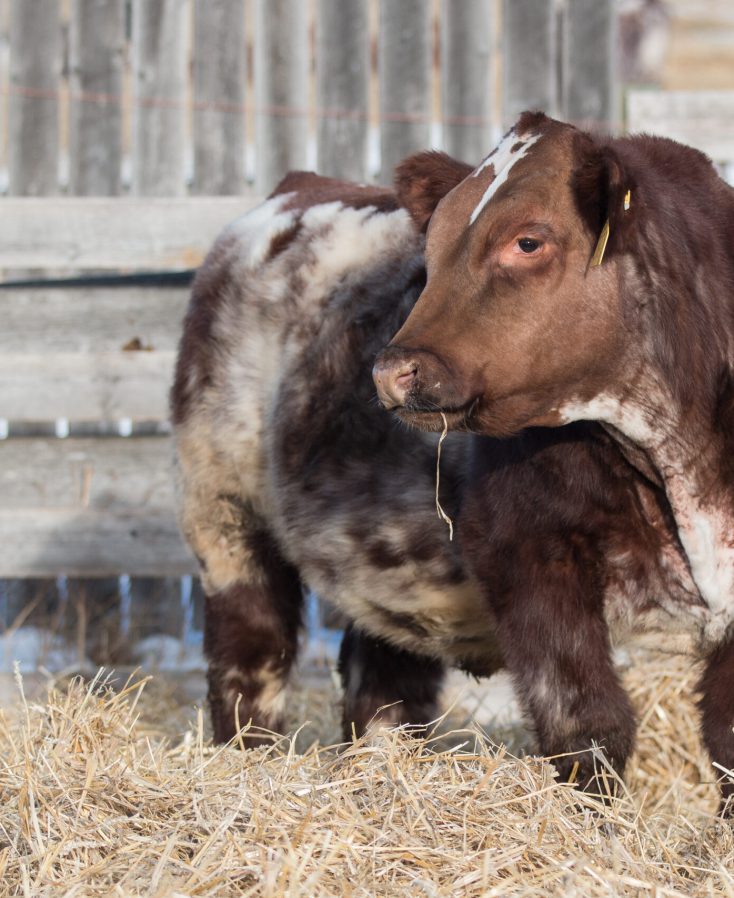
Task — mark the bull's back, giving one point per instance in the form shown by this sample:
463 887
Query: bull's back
259 302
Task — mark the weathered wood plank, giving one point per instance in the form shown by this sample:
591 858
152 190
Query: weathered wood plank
87 474
89 507
97 46
704 119
342 87
281 89
160 44
405 43
219 96
127 233
589 63
103 386
35 67
91 320
48 542
529 62
466 77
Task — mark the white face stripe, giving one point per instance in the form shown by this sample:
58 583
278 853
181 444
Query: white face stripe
502 160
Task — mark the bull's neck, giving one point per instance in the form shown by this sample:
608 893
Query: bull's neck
688 456
677 410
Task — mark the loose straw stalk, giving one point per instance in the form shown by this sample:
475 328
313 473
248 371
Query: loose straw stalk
439 509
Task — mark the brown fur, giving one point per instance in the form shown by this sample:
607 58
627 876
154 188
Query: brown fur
420 187
308 189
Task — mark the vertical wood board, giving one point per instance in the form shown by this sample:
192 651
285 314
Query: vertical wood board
97 55
342 77
281 89
529 61
219 96
466 82
589 71
405 44
35 68
160 51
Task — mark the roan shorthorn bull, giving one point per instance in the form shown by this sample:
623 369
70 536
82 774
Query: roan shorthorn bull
291 474
575 279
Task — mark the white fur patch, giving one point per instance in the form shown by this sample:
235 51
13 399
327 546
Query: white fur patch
346 240
631 420
706 537
271 700
257 228
502 160
264 687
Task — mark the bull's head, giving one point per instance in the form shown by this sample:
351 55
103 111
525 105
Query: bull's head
515 317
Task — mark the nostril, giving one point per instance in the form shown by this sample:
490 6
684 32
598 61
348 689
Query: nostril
405 378
393 378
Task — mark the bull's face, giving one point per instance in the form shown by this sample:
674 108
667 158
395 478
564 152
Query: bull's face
514 320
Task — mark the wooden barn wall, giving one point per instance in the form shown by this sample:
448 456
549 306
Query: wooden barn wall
171 97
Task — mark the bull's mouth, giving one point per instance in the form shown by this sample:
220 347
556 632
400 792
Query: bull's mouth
434 418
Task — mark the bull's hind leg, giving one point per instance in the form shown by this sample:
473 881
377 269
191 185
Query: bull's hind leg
250 641
717 711
252 613
385 685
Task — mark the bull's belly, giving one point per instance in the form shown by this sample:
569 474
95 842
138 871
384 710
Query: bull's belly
447 621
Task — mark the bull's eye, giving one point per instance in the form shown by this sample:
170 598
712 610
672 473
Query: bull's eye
528 244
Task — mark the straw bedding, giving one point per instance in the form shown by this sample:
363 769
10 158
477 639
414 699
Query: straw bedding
95 800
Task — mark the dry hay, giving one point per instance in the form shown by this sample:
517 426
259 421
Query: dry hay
96 802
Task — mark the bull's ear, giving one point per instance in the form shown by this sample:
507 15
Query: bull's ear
421 181
605 195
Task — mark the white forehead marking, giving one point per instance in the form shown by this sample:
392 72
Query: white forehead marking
502 159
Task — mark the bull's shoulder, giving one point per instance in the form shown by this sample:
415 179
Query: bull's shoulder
334 227
307 189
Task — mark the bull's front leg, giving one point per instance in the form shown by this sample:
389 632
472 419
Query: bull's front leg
547 600
385 685
717 716
556 641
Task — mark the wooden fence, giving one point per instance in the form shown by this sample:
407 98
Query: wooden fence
86 487
167 97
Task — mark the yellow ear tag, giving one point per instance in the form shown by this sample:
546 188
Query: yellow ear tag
601 245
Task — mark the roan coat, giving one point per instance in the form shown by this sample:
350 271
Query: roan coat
292 476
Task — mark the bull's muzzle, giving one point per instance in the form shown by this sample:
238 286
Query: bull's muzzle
394 373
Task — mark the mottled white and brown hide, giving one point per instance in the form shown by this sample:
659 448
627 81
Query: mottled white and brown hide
291 475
